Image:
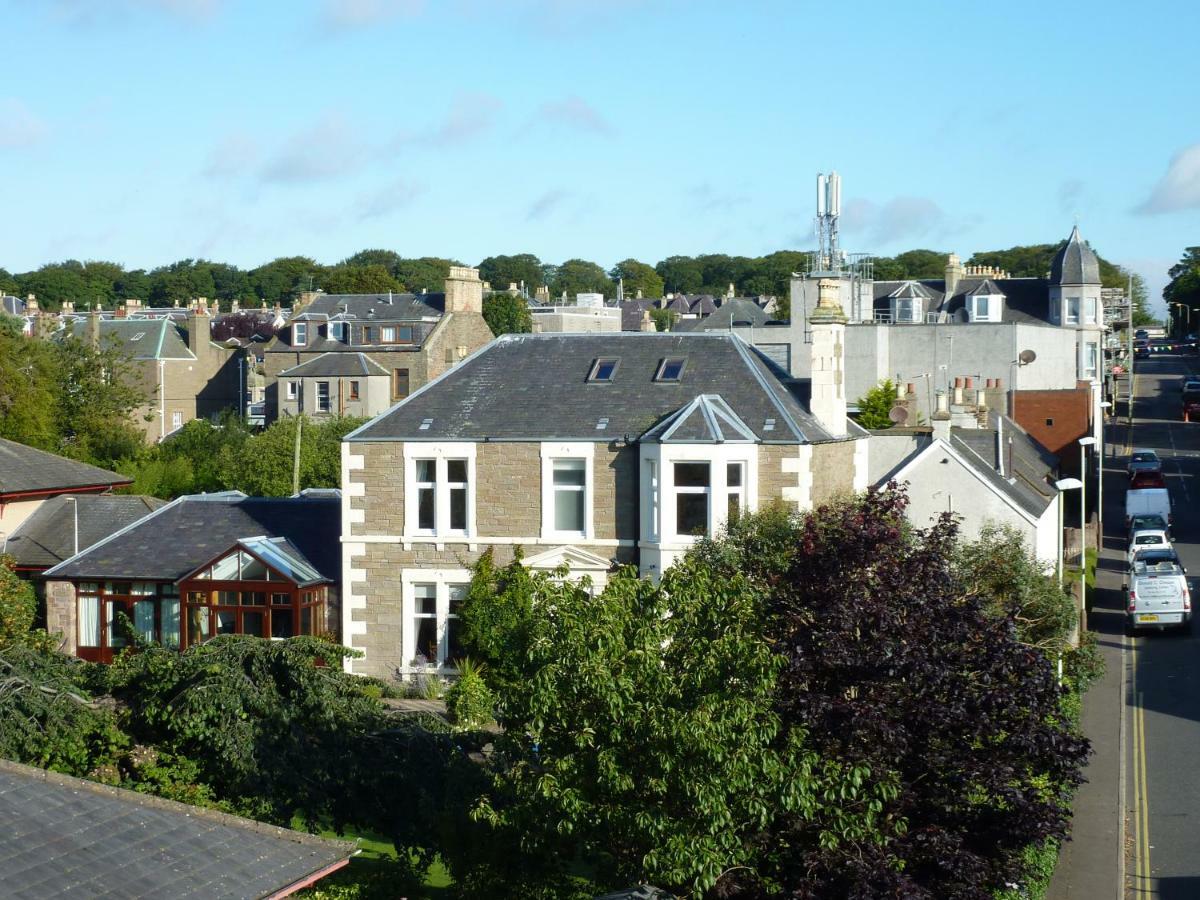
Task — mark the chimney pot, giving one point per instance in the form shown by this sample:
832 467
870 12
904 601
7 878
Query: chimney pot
968 383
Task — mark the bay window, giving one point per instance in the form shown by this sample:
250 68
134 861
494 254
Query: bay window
1072 310
693 483
735 490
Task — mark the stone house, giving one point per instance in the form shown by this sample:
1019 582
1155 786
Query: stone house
584 450
203 565
413 337
184 374
335 384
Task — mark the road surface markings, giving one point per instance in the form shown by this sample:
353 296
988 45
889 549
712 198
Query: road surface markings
1141 805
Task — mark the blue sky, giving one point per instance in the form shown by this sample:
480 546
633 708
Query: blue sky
145 131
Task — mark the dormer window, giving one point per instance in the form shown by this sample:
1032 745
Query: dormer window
603 371
670 369
984 308
339 331
908 310
299 334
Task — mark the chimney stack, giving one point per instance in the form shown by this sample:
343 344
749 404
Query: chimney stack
958 392
941 417
464 291
199 329
828 358
954 273
647 323
93 329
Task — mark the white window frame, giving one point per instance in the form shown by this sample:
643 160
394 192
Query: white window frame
559 450
325 404
299 334
441 453
291 392
1090 360
387 334
444 580
176 420
738 491
985 301
658 500
903 316
1089 310
1072 302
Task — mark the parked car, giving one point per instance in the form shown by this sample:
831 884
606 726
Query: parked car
1141 334
1147 522
1149 501
1189 404
1142 480
1189 383
1143 461
1148 539
1157 594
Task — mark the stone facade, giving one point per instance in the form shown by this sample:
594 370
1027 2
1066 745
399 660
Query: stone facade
60 614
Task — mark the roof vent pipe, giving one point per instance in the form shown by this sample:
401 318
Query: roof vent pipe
1000 444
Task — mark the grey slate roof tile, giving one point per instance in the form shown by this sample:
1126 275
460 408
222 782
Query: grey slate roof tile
65 837
47 537
188 532
24 469
1028 466
336 365
1075 262
535 387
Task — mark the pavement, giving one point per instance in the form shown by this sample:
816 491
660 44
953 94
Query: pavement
1091 864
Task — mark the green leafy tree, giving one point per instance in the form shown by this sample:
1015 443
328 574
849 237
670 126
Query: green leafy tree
98 389
262 465
17 604
875 405
55 282
427 274
1184 286
680 274
638 276
579 276
506 314
501 271
640 741
372 279
389 259
280 280
8 284
29 388
664 319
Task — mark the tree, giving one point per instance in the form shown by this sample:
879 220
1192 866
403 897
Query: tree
875 405
262 464
506 314
680 274
17 604
894 665
55 282
638 276
427 274
664 319
1184 286
97 390
8 284
389 259
372 279
28 390
281 279
501 271
640 740
579 276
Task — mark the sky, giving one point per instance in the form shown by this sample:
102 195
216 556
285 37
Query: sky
146 131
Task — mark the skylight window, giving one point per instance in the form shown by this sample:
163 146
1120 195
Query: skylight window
670 369
602 423
425 423
603 370
138 336
769 425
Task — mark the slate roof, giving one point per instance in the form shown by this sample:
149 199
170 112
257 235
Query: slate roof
737 311
535 387
336 365
66 837
1026 300
374 307
1028 465
1075 263
631 312
47 537
140 338
25 470
192 530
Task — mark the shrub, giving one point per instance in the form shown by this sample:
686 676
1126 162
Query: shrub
470 703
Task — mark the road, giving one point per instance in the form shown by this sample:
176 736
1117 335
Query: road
1162 714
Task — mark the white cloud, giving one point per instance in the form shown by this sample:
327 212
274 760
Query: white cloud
235 155
365 13
1070 192
574 112
899 219
1179 189
387 199
19 127
546 203
471 115
327 150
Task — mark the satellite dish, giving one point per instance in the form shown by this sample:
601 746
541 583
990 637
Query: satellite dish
1026 357
898 414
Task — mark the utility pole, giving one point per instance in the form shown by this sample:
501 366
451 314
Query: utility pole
296 455
1129 339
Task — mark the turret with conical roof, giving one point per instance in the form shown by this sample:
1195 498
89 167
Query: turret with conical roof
1075 262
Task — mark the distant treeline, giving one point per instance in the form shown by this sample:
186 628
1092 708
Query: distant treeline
372 271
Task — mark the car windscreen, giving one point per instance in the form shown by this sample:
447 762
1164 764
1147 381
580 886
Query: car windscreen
1144 457
1149 539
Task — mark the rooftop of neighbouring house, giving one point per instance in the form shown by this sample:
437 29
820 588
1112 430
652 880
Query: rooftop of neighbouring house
66 837
602 387
27 470
188 532
48 536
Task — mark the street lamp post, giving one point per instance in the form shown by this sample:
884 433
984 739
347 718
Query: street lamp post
1105 406
1084 443
1063 485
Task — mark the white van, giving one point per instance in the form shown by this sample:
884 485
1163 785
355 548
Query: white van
1147 501
1157 593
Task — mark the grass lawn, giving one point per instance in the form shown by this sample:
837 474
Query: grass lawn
376 856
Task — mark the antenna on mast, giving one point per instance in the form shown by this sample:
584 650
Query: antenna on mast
829 209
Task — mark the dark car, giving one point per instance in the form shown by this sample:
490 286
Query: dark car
1141 353
1140 481
1143 461
1141 333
